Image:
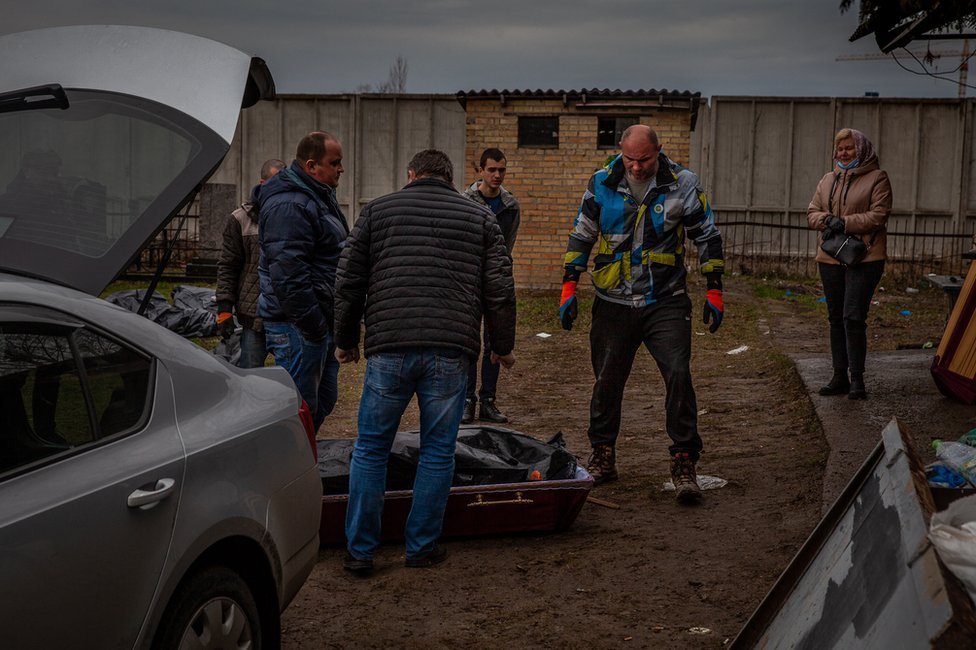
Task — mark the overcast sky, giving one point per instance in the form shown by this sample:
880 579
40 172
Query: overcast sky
720 47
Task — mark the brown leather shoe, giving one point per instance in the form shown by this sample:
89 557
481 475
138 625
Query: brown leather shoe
602 464
685 479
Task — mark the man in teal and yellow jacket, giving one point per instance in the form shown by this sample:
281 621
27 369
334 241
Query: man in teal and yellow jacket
637 210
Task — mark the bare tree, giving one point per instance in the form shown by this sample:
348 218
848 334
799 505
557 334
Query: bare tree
397 80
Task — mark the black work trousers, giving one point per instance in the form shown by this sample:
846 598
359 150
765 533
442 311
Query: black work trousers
848 290
489 371
665 330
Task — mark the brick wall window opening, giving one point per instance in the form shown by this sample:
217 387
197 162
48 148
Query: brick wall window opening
609 130
540 132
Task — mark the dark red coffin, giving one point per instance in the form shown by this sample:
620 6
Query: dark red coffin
478 510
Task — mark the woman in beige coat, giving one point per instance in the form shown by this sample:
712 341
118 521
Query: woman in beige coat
855 197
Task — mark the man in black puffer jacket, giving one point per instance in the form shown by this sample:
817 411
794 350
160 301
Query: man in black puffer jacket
421 264
301 233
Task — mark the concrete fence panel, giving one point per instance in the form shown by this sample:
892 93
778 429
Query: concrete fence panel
763 158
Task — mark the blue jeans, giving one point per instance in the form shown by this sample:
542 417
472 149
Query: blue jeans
311 364
253 350
438 377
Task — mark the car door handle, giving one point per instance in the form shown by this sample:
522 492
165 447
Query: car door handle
145 499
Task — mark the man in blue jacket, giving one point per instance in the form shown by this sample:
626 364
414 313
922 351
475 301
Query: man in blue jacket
301 233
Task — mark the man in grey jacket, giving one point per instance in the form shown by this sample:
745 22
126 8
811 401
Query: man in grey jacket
238 288
489 192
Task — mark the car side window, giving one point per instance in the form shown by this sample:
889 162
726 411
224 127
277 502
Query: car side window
64 387
118 379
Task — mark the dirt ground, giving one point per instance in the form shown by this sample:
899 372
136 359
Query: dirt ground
652 573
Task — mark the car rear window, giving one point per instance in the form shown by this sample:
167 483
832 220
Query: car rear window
77 179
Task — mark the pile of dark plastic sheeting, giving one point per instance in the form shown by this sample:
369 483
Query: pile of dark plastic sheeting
484 456
188 321
229 349
194 298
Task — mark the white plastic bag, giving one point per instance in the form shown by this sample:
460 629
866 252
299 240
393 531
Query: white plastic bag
705 482
953 533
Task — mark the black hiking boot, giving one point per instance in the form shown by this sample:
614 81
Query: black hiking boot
489 412
685 479
857 390
602 464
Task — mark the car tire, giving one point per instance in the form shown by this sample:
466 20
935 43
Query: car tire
213 608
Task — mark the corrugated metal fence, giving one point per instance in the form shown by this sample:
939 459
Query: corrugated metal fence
760 159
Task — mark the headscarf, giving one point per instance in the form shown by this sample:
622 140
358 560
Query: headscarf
863 150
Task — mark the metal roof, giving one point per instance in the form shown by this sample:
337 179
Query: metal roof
662 98
584 93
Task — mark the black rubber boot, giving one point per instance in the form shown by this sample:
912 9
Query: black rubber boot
857 388
838 384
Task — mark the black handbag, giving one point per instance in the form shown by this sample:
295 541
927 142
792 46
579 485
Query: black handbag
846 249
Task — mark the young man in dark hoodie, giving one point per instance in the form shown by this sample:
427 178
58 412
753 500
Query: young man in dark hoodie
238 289
301 233
489 192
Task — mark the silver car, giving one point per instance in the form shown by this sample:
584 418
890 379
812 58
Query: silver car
151 495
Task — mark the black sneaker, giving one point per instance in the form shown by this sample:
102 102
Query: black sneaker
685 479
359 567
437 555
602 465
468 416
489 412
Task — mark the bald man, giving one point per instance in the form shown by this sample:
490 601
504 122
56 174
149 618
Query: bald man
639 207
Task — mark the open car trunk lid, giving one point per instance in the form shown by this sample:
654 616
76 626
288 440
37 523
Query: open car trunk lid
105 133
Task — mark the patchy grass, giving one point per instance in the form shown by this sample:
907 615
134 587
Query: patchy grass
538 311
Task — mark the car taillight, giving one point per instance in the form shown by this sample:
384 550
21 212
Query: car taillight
305 415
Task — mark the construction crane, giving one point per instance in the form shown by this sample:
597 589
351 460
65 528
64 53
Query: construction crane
928 57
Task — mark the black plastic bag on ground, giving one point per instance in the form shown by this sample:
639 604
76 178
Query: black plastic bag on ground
130 300
229 349
188 322
193 298
484 456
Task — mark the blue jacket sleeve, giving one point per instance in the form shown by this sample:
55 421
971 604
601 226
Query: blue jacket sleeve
289 242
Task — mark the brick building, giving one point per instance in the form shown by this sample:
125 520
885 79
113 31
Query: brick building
554 140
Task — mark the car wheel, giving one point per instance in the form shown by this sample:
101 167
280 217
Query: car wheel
214 608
